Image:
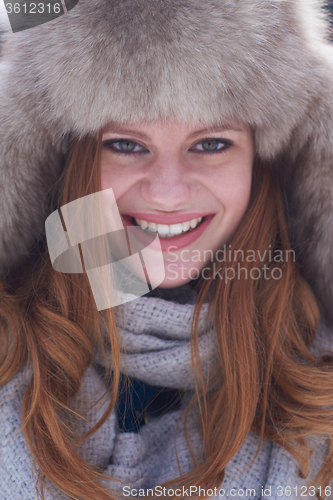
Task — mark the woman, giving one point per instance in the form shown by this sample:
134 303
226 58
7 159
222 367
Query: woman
210 127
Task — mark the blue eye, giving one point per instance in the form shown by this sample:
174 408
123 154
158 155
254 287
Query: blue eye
211 146
125 146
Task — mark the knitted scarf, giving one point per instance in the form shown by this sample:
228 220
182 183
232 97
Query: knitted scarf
155 338
155 341
155 344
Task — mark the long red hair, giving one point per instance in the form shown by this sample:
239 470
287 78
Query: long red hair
49 320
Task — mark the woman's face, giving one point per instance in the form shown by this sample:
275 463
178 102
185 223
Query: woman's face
188 183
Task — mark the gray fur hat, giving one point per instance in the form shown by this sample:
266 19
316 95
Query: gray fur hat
265 62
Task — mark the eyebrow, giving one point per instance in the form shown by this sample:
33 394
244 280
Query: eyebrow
216 128
120 130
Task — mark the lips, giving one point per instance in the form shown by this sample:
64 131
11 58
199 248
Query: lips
176 242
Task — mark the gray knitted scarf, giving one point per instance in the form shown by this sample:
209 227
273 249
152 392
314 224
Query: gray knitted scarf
155 338
155 341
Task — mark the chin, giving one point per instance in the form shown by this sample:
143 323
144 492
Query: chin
172 283
179 275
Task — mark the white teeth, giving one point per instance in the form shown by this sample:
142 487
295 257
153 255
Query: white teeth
142 223
176 228
163 229
168 230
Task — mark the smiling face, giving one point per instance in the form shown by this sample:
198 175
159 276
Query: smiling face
189 184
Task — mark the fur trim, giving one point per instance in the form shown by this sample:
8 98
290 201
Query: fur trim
265 62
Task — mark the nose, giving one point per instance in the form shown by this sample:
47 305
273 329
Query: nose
167 185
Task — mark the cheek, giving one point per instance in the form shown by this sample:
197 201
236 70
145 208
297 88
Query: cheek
108 174
107 180
112 177
234 193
